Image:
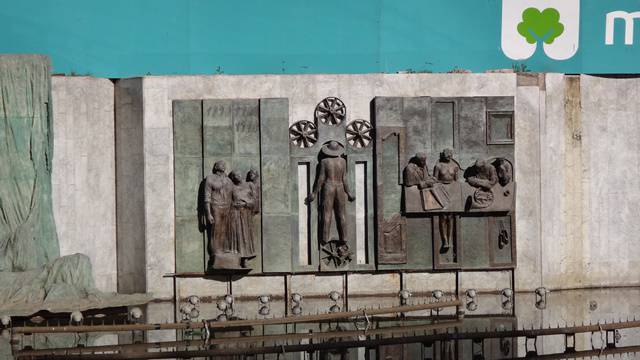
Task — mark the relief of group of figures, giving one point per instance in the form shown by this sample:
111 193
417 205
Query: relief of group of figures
230 202
490 182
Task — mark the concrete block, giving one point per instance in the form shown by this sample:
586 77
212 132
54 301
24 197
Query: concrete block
252 287
316 285
208 289
373 284
83 176
485 281
425 283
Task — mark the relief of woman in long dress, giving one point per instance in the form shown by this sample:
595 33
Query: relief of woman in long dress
244 202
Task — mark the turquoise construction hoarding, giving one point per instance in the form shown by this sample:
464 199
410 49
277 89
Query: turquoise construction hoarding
119 38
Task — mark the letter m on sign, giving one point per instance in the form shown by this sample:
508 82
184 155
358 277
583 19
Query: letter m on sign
628 26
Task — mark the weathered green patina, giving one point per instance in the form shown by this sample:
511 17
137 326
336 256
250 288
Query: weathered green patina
27 229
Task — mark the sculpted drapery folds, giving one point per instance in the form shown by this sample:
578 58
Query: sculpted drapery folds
217 199
240 236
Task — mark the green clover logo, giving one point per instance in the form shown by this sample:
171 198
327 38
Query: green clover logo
540 26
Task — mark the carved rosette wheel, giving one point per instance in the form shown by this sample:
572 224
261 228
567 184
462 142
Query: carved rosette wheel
359 133
336 253
303 133
331 111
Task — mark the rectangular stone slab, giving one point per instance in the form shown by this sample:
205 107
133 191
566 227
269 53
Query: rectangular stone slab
187 145
277 229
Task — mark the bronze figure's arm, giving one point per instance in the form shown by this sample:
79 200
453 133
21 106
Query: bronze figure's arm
345 183
207 202
436 171
318 185
429 181
484 181
412 178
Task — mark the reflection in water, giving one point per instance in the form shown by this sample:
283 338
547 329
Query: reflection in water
564 322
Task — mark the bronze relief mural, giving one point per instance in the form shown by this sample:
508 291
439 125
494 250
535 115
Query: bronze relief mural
427 184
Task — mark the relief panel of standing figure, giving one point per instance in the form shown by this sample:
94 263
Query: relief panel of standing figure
331 183
446 173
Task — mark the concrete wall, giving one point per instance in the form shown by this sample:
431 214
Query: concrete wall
591 182
588 155
576 168
83 178
304 92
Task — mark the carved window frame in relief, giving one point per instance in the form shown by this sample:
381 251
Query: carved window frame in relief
511 126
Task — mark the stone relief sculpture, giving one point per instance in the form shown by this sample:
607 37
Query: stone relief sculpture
332 186
230 203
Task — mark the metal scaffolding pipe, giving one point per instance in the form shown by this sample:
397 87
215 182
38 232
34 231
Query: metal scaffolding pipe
234 323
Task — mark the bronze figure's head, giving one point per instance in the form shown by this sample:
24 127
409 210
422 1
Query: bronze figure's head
235 177
252 175
333 149
421 159
446 155
219 167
